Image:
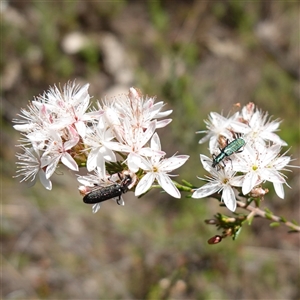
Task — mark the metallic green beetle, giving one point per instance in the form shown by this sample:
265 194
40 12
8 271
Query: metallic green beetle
232 147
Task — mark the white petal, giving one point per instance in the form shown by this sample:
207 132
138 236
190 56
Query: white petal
117 146
281 162
100 162
45 182
279 190
144 184
133 161
82 93
272 175
95 207
51 167
206 190
71 143
81 129
166 183
68 161
228 198
141 162
91 163
174 162
148 133
237 180
163 123
206 162
148 152
108 154
273 137
251 179
155 142
24 127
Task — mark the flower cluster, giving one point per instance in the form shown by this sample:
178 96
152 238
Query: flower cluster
60 127
247 167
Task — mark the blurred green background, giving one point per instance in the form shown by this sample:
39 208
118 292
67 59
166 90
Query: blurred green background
197 56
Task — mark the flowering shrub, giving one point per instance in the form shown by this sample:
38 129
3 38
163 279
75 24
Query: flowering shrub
118 144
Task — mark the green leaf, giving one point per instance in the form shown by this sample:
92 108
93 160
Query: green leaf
283 219
274 224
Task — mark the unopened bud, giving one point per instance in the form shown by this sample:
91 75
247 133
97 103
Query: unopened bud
211 221
258 192
215 240
83 190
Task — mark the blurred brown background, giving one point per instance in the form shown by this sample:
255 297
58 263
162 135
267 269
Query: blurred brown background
197 56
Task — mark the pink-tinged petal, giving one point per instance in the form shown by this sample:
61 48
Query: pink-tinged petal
68 161
206 190
155 142
250 181
279 190
148 133
166 183
153 108
45 181
71 143
144 184
174 162
163 123
228 197
92 115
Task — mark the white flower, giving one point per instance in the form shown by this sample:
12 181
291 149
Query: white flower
134 142
56 110
142 111
259 164
219 181
156 168
217 126
31 164
260 128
